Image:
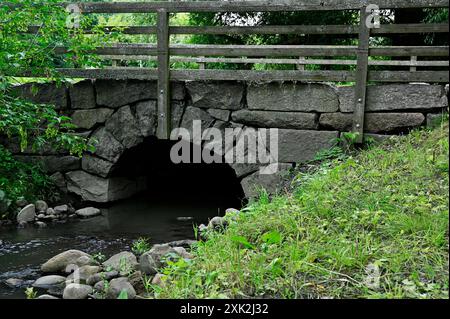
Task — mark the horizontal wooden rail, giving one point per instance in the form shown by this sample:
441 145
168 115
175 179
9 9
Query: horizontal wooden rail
269 50
278 61
287 29
249 6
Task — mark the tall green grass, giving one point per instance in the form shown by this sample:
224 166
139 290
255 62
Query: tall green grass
372 226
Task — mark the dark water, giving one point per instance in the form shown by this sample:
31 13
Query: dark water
154 217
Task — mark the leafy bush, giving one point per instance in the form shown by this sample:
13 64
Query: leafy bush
140 246
18 179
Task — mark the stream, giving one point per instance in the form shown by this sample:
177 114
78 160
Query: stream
161 219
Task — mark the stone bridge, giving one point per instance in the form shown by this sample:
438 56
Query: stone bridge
121 115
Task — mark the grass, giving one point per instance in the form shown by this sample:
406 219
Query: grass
371 226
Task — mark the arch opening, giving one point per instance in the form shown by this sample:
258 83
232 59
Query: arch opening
175 196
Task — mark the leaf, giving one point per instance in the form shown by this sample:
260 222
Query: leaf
123 295
276 267
242 241
273 237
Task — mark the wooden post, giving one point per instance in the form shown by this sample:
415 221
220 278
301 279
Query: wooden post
301 66
413 61
202 65
164 110
361 76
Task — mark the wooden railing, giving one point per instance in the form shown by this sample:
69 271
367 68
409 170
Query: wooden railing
300 55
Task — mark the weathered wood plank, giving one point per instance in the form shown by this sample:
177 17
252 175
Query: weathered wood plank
278 61
312 29
407 76
362 70
225 50
246 6
411 28
266 29
409 51
288 29
268 50
263 50
164 110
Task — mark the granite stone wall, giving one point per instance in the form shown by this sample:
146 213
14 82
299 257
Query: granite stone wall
118 115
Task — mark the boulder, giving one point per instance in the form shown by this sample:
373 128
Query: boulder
101 190
26 214
83 273
310 97
96 165
41 224
223 115
21 202
85 261
14 282
41 206
181 251
119 93
61 209
216 94
47 297
178 108
117 285
91 280
241 169
124 127
48 281
77 291
106 146
217 223
197 114
298 146
88 212
185 243
135 279
159 280
147 117
45 93
99 286
374 122
122 261
152 260
272 183
52 164
116 93
389 97
59 180
87 119
82 95
268 119
59 262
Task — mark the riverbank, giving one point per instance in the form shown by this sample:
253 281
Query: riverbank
371 226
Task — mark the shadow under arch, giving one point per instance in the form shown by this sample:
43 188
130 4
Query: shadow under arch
192 193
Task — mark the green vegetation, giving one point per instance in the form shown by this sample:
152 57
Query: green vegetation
370 226
21 180
30 293
35 126
140 246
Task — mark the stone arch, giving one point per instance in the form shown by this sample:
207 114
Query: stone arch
119 128
309 116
